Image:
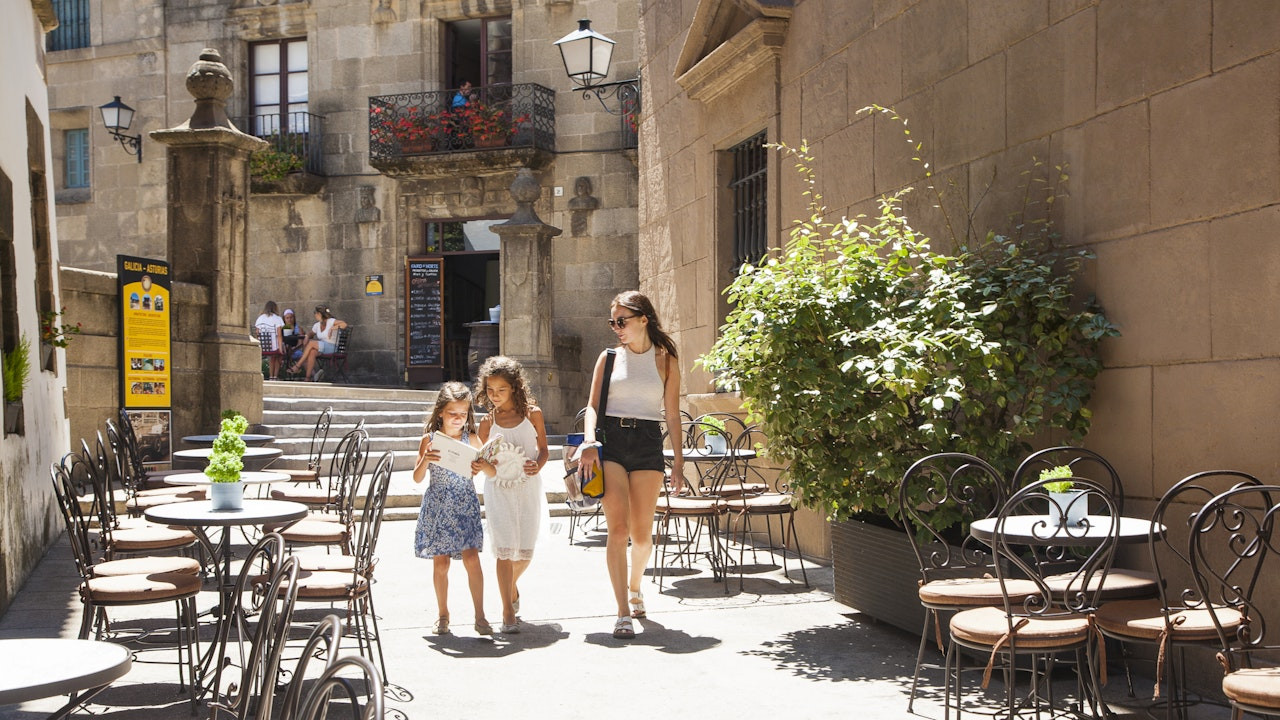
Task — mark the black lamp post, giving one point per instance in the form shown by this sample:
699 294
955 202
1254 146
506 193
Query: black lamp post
116 117
586 55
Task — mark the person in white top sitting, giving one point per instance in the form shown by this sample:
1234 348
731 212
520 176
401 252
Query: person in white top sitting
269 324
323 341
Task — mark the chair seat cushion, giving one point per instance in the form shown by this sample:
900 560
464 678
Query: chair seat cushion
316 561
328 584
141 588
735 489
146 502
307 476
305 495
691 505
169 491
149 565
766 503
150 537
973 592
1143 620
1118 585
315 531
987 625
1259 687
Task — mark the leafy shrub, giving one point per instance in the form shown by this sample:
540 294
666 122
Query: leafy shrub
15 369
226 460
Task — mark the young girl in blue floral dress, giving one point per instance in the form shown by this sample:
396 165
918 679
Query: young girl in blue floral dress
449 521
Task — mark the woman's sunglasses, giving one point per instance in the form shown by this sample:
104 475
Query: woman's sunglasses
621 322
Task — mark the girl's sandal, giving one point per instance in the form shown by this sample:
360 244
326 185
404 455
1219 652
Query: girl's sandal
441 627
637 604
623 630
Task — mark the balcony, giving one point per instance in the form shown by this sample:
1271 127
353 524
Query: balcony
294 162
501 128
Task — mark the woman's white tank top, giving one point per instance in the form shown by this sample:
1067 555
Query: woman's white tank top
635 390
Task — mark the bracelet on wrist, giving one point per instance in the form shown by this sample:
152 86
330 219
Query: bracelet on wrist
593 444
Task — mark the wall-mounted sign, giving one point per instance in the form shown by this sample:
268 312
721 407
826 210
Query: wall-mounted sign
424 312
372 285
144 332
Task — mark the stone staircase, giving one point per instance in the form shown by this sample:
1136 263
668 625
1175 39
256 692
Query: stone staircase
393 418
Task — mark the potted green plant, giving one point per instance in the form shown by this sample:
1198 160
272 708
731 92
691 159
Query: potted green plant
1065 503
15 370
859 349
226 492
714 433
54 333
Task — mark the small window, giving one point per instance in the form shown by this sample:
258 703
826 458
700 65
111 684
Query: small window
278 86
749 186
479 51
77 142
73 25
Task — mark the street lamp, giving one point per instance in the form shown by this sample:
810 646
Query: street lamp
116 117
586 55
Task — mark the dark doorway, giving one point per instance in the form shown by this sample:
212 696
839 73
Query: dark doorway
470 286
478 51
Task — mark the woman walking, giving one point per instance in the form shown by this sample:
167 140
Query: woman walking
643 388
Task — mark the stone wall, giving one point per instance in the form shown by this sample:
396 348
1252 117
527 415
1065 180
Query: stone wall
1163 112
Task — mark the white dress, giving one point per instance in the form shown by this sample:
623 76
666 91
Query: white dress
514 512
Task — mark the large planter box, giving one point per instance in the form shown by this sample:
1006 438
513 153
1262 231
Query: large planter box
877 573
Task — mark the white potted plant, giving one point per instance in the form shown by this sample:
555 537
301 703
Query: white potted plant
225 463
714 433
1066 504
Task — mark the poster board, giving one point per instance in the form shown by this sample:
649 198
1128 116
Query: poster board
424 313
143 287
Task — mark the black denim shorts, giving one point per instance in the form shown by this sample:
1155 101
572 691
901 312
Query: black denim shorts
633 444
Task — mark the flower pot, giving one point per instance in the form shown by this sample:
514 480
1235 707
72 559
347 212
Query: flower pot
1070 506
877 572
13 417
47 357
495 313
491 142
227 496
421 145
716 443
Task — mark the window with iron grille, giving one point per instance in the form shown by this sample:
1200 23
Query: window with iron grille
749 186
73 25
77 168
278 87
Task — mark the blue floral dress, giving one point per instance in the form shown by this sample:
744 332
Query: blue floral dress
449 521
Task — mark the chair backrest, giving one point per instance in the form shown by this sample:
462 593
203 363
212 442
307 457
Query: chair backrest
370 525
267 340
345 470
267 589
340 344
68 490
323 644
938 492
319 436
316 704
1083 462
1232 546
1171 530
129 444
1082 591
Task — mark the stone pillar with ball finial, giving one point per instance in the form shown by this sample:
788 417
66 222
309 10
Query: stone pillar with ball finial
525 332
208 209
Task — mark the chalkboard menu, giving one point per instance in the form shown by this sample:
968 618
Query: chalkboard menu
424 314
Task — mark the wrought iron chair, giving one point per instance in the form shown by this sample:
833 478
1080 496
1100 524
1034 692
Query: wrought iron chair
272 353
578 517
323 579
331 523
1176 618
749 495
318 702
265 589
953 577
123 468
325 497
125 583
315 452
682 518
336 361
1234 549
323 644
146 477
1048 622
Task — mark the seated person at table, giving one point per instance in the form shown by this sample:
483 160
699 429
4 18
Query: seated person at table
292 335
271 323
324 341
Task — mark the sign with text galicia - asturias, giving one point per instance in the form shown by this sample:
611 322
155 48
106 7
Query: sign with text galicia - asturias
145 351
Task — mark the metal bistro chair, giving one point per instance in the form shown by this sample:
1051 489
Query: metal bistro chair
331 524
336 361
127 583
1045 623
319 702
952 578
271 354
748 495
323 644
1233 553
578 515
682 518
315 452
1177 618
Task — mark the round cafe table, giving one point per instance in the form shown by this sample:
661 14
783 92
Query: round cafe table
1040 530
255 458
34 668
248 477
249 439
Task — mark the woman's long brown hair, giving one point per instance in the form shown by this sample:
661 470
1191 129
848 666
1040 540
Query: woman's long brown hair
638 303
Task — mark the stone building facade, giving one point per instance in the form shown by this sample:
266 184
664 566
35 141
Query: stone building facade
317 237
28 289
1164 111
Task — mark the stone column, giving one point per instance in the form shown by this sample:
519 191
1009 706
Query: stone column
208 199
525 330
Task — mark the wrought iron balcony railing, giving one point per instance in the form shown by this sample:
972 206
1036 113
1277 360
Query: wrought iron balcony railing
494 116
296 134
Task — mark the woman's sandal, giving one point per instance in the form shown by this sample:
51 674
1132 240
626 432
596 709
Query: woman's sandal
637 604
623 629
483 627
441 627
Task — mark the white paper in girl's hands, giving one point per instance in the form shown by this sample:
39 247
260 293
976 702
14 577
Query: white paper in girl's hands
509 464
457 456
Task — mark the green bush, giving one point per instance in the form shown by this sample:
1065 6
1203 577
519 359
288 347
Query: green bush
15 370
859 349
286 155
226 460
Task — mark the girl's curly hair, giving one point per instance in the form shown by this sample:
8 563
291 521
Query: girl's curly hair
512 371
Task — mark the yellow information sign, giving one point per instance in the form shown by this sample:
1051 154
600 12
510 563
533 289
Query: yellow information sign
145 350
